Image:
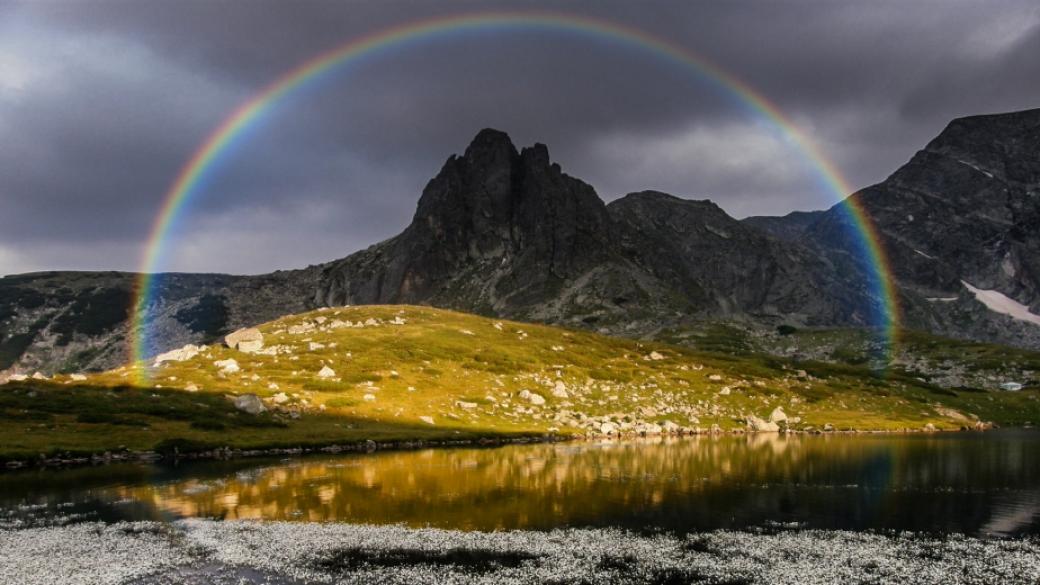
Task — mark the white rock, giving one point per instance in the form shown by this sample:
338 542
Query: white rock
758 425
191 387
326 372
398 321
715 378
560 390
39 376
608 428
314 345
18 378
248 340
655 356
78 377
465 405
249 403
778 415
427 419
228 366
725 391
497 326
369 397
178 355
320 320
280 398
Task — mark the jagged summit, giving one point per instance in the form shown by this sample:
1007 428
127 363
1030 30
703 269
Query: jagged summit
504 231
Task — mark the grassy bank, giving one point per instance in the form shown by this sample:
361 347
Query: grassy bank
401 373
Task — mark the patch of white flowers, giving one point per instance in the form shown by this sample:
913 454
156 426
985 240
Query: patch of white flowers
197 551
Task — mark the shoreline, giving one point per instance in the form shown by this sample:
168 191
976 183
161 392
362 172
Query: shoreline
371 446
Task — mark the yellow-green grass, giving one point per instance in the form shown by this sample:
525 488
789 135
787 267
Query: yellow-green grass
437 358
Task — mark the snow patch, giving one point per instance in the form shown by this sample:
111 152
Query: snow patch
923 254
987 173
998 302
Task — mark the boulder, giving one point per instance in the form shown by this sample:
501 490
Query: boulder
178 355
326 372
249 403
18 378
758 425
608 428
228 366
778 415
248 340
670 427
427 419
280 398
77 377
655 356
465 405
560 389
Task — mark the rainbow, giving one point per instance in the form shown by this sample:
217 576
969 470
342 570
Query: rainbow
248 114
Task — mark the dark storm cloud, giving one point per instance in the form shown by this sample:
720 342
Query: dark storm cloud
101 103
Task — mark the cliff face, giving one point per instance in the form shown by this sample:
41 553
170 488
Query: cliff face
501 231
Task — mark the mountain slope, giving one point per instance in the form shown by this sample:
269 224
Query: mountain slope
504 232
350 374
965 209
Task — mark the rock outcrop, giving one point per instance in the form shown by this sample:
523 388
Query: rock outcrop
501 231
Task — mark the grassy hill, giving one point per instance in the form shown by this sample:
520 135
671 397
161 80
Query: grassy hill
389 373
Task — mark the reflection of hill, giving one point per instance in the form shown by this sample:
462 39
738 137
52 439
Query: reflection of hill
679 484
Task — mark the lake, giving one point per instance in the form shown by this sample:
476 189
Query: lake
985 484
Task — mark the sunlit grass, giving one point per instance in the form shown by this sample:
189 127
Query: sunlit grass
465 374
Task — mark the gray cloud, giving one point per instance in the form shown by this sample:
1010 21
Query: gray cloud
102 102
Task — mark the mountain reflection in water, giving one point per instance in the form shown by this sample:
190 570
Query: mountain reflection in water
963 482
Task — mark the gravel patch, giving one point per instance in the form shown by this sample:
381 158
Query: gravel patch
285 553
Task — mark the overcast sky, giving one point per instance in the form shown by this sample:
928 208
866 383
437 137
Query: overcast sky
101 103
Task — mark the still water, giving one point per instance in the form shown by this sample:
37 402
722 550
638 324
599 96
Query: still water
980 484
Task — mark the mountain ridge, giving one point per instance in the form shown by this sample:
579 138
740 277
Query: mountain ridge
504 232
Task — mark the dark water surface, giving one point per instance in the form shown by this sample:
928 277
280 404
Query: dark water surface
974 483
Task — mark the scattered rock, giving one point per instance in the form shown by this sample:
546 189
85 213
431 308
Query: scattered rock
280 398
778 415
758 425
77 377
191 387
314 346
228 366
249 403
39 376
18 378
369 397
608 428
465 405
930 428
178 355
427 419
248 340
560 390
715 378
655 356
326 372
